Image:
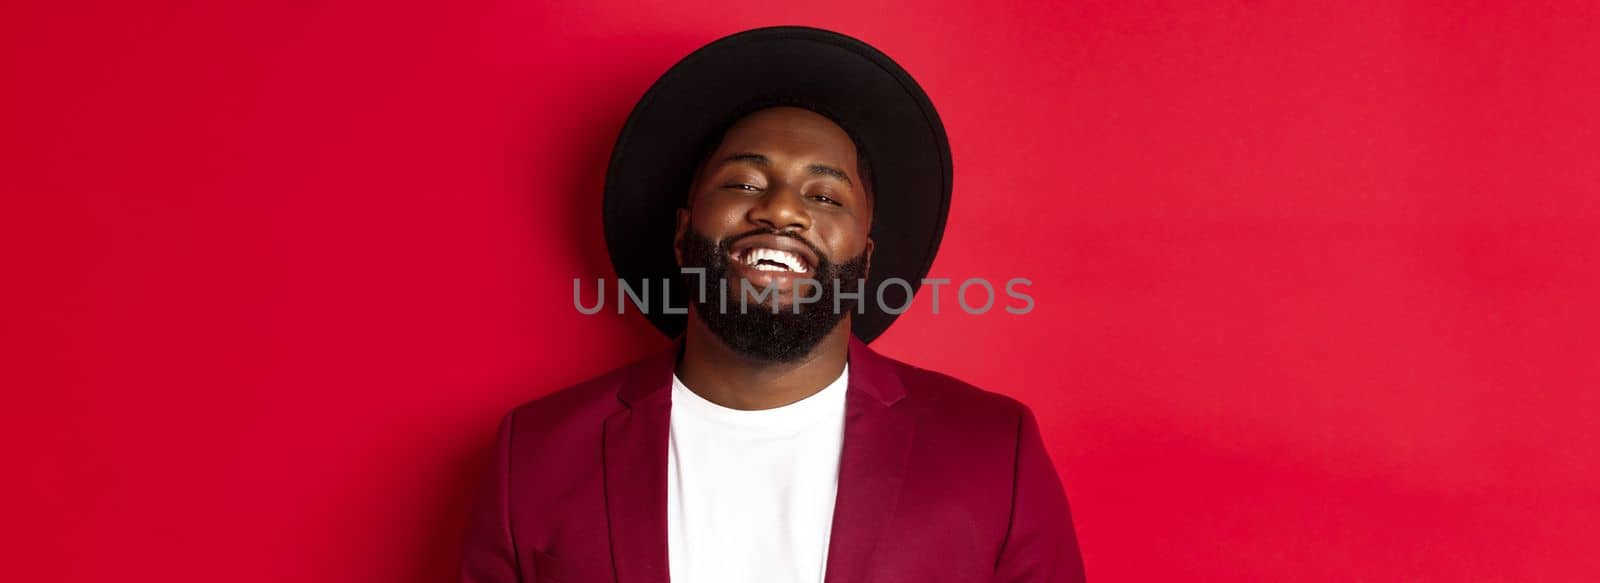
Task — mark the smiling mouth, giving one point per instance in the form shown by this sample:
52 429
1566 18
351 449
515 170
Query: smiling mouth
774 260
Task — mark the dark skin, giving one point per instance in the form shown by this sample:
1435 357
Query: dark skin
783 168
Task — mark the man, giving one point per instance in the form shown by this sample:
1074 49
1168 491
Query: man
770 444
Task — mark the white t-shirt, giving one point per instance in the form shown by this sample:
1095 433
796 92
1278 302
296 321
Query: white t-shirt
750 493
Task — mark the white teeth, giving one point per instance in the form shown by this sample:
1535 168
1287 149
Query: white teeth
789 261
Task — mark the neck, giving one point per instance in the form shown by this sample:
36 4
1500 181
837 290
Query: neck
719 374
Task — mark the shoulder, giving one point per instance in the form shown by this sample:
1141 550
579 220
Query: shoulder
580 406
946 403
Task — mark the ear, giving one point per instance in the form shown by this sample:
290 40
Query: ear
677 235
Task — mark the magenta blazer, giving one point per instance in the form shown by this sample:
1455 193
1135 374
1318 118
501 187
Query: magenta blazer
938 481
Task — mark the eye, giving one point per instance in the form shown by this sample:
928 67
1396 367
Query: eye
744 187
825 199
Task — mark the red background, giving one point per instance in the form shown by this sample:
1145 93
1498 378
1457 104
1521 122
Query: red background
1315 285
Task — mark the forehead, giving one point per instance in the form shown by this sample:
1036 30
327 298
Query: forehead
790 131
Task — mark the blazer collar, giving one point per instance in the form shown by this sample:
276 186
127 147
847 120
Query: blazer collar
877 443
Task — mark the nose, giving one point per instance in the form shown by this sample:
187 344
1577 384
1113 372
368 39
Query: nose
780 208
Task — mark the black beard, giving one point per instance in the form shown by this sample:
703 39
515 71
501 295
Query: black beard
757 333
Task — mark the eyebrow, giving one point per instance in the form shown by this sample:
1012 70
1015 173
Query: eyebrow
813 169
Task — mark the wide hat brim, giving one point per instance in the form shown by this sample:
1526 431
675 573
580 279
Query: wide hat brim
862 89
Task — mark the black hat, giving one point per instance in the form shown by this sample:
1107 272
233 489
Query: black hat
858 87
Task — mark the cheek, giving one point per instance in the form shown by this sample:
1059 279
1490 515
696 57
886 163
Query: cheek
710 215
845 239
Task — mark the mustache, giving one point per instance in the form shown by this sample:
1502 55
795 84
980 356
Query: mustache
727 244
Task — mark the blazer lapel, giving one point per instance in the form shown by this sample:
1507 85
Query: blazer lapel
635 450
877 441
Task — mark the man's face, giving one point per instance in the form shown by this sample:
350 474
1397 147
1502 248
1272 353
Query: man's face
779 201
